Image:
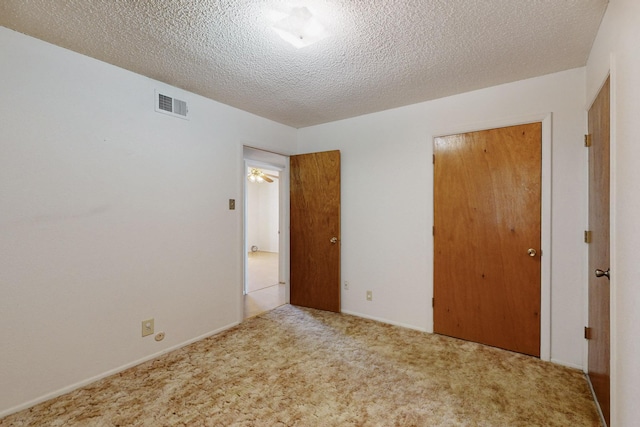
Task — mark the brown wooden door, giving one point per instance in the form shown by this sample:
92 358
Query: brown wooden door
315 230
599 360
487 198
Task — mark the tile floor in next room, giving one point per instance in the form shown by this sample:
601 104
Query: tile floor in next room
264 293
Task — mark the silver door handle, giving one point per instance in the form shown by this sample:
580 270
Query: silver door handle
334 240
600 273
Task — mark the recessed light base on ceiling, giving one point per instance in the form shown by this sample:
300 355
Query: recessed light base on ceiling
300 28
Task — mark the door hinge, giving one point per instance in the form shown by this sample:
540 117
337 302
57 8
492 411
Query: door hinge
587 333
434 159
587 140
433 302
433 230
587 236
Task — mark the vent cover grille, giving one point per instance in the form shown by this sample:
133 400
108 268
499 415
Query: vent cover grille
179 107
169 105
165 103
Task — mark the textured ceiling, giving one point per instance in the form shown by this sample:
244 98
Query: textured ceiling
381 53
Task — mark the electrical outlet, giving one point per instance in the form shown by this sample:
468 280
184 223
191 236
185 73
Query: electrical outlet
346 285
147 327
369 296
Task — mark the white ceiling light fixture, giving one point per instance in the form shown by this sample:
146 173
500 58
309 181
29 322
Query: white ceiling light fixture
300 28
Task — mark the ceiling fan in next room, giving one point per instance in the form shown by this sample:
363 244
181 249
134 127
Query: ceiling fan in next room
256 175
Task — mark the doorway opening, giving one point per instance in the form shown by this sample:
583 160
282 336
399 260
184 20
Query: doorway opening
265 246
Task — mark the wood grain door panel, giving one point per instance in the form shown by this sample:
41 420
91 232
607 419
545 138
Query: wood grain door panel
487 215
315 230
599 257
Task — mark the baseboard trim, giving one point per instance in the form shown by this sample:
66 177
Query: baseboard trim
595 399
382 320
110 372
404 325
568 365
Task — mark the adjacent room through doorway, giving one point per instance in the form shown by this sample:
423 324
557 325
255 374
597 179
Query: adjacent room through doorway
263 290
264 285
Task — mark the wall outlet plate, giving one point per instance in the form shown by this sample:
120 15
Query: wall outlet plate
369 295
147 327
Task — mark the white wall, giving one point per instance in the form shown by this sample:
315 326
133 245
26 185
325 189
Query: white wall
253 215
269 202
617 48
387 199
111 213
262 215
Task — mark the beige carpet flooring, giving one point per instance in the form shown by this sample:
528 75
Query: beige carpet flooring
302 367
262 270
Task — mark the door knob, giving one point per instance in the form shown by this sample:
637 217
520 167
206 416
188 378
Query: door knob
600 273
532 252
334 240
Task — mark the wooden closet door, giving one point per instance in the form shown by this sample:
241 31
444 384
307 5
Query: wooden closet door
599 250
487 219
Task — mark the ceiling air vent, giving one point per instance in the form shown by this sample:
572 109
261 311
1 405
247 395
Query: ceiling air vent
169 105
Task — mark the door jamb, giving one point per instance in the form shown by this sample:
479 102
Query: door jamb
545 225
